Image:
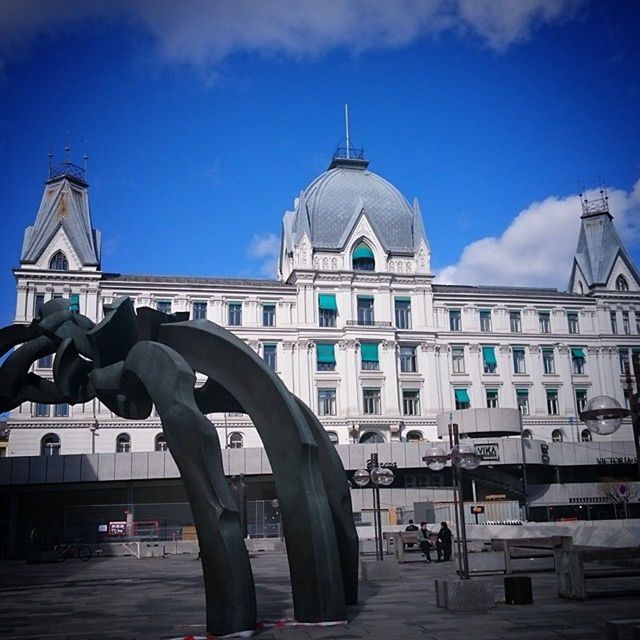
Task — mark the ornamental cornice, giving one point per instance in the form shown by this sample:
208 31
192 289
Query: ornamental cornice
474 348
557 312
563 350
288 346
428 347
388 345
535 348
343 345
504 349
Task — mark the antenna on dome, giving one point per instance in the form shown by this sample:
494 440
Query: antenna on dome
346 126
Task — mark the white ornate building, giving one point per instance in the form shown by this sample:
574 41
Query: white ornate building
354 325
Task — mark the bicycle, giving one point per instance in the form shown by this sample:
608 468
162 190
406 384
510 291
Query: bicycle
75 550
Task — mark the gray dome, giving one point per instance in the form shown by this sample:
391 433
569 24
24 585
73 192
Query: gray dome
330 206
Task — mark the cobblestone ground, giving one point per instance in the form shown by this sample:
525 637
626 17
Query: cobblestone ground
163 598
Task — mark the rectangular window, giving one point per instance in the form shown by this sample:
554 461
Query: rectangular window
492 398
403 313
455 320
327 402
457 359
623 355
268 315
327 309
548 363
408 360
365 310
544 317
462 399
552 402
38 301
61 410
410 402
485 320
637 314
371 402
199 310
572 322
74 303
522 399
325 357
41 410
369 356
269 355
614 322
626 325
577 360
235 314
164 306
489 359
518 360
515 322
581 399
46 362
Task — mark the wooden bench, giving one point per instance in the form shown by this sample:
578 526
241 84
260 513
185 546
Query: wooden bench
402 538
542 547
572 574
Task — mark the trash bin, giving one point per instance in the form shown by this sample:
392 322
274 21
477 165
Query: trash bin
517 590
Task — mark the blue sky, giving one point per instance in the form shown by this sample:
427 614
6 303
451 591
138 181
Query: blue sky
203 121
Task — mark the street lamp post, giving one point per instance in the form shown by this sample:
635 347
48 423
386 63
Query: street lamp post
462 455
377 475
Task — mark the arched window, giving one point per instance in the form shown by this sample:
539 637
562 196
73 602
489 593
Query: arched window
414 436
527 434
556 435
371 437
161 443
362 258
123 443
59 262
333 436
236 441
50 445
622 284
585 435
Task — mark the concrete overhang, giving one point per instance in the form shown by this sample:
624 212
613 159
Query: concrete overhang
480 423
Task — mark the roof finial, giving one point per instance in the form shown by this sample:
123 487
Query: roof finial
346 126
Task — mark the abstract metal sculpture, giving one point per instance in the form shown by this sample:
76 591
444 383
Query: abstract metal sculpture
134 360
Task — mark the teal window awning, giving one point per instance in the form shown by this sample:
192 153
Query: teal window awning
362 251
522 393
326 353
365 297
577 352
462 395
489 355
327 301
403 299
74 303
369 351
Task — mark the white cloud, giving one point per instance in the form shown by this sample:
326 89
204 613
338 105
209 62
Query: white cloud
538 246
265 248
201 33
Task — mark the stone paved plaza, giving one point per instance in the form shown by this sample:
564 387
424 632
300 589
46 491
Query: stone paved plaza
163 598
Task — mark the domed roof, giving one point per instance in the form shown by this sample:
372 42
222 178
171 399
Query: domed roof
331 205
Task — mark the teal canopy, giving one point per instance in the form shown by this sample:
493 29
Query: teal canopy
369 351
362 251
577 352
403 299
522 393
327 301
325 353
74 303
489 356
462 395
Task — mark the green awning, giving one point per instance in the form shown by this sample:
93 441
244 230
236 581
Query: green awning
365 297
489 356
326 353
369 351
576 352
327 301
522 393
462 395
403 299
492 393
74 303
362 251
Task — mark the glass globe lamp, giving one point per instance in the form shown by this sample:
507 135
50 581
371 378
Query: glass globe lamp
603 415
464 455
382 476
435 458
361 477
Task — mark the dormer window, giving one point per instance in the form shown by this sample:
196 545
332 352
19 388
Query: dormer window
59 262
621 283
362 258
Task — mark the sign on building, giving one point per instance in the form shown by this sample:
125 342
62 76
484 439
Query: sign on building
489 451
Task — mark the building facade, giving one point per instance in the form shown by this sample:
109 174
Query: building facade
355 325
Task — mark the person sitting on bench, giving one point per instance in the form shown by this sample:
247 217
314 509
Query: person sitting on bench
424 542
